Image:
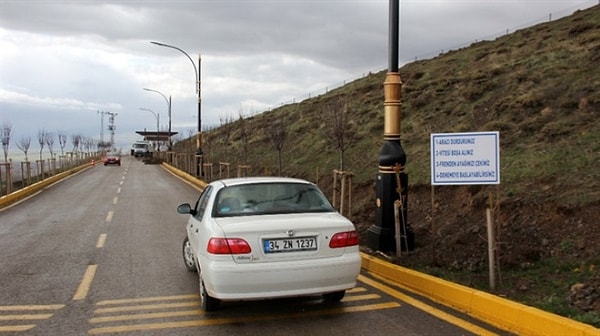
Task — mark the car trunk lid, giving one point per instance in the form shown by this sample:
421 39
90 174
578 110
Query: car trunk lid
286 237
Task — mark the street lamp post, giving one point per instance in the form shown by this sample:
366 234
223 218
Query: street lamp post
157 116
392 180
168 109
198 91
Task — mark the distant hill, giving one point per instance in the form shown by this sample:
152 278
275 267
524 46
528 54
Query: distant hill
540 88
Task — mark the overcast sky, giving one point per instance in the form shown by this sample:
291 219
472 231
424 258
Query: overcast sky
63 61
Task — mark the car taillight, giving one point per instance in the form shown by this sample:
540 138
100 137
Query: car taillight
228 246
344 239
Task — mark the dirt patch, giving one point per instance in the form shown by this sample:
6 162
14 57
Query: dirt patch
543 248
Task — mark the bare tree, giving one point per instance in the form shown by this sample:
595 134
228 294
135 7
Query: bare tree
226 129
89 144
5 137
62 140
339 129
191 138
23 144
244 135
41 141
277 135
49 139
76 140
208 136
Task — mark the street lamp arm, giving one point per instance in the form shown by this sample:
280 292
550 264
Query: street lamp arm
199 158
168 110
157 116
160 93
186 54
144 109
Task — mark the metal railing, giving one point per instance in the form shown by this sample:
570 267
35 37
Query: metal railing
15 175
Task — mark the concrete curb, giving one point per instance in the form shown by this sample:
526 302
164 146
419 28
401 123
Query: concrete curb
185 176
500 312
32 189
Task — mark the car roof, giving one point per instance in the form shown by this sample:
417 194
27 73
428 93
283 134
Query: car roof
259 179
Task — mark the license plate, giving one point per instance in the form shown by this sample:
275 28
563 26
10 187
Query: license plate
290 244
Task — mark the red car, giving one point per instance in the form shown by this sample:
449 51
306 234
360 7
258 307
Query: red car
112 159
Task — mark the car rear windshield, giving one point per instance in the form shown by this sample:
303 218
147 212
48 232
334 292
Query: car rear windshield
270 198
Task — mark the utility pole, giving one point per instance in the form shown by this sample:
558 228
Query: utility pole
102 113
112 127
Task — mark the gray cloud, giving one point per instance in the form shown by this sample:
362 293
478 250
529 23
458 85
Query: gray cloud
65 60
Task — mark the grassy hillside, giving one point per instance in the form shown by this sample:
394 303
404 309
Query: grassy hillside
540 87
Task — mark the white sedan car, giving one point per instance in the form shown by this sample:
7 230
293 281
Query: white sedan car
268 237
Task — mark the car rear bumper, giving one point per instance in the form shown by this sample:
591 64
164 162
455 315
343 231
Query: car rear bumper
231 281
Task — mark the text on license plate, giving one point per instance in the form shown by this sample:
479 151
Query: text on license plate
290 244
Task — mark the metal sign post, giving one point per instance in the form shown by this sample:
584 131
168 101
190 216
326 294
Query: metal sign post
468 158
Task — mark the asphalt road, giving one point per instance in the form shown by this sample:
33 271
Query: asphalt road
100 253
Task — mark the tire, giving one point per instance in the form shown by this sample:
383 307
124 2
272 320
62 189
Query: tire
334 297
207 302
188 256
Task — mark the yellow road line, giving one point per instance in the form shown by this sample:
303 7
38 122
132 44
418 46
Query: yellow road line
197 312
109 216
145 307
115 200
217 321
101 241
15 328
31 307
84 285
148 299
18 317
361 297
425 307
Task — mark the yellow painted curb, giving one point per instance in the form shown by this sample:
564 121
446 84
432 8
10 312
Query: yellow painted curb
184 175
505 314
500 312
32 189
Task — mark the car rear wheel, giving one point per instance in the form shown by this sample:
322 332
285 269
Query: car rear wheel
188 256
335 296
207 302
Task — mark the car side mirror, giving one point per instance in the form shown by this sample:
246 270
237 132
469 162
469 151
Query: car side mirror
186 209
